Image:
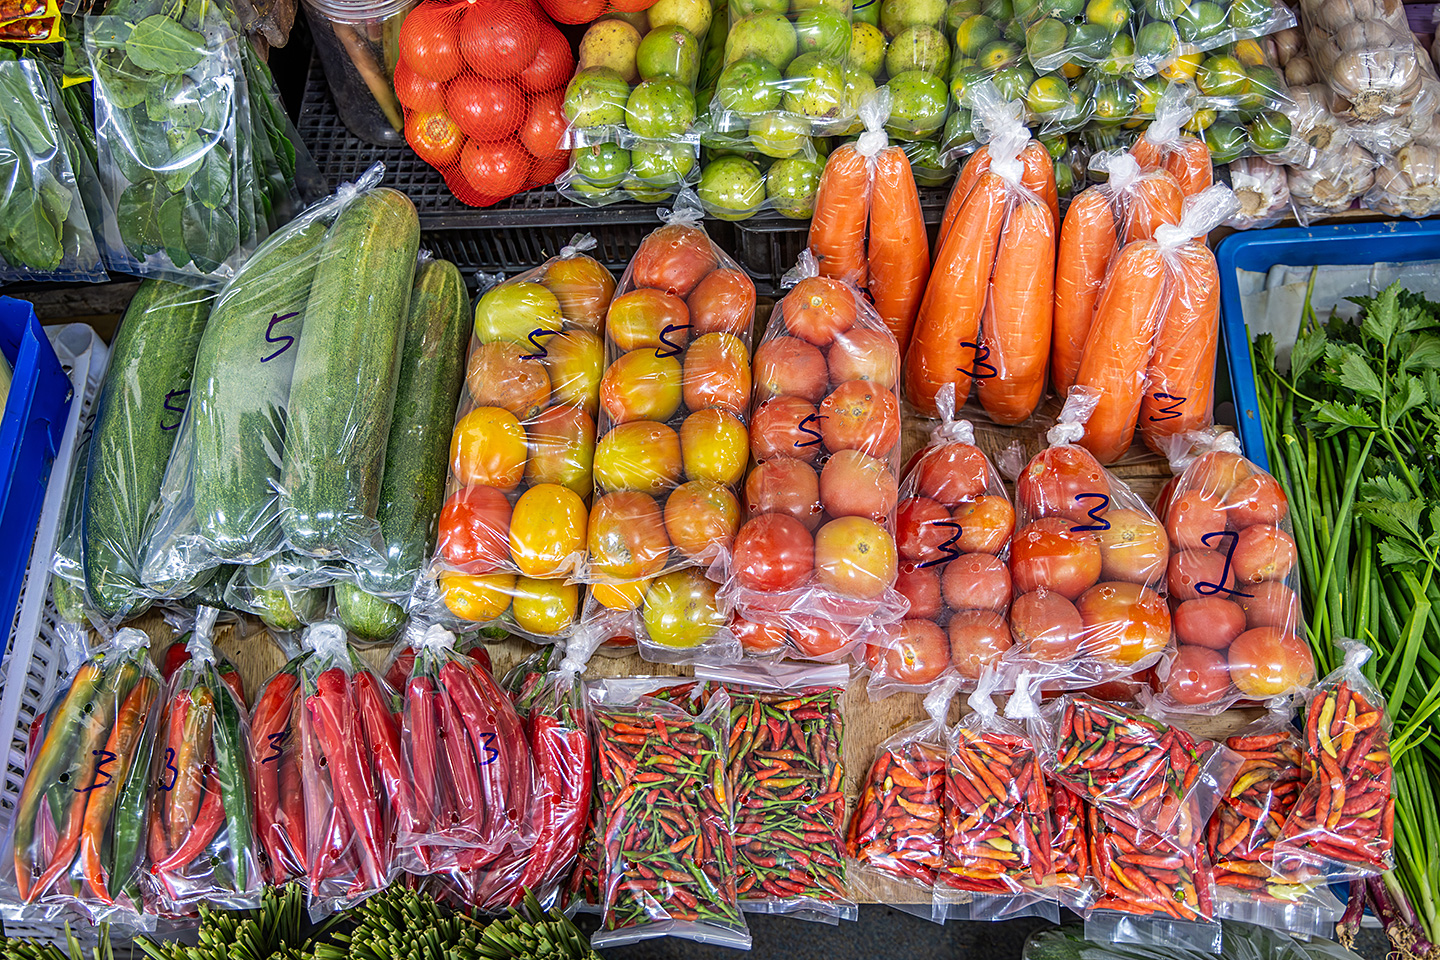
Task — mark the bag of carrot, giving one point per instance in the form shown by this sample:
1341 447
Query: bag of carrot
787 772
1344 821
666 818
76 839
1165 145
201 845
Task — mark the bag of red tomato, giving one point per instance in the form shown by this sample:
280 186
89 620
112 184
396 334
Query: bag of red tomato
482 82
1233 579
952 530
816 556
1087 564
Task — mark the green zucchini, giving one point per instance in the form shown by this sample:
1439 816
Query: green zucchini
242 383
137 419
367 616
343 393
67 579
417 453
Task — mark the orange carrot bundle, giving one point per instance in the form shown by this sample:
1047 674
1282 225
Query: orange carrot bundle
1165 147
842 210
899 251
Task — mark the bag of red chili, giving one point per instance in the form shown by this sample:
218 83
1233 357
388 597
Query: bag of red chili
1344 821
787 771
952 529
358 794
1233 581
482 83
276 776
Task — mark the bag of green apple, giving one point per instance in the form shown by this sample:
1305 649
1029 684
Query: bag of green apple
604 173
775 166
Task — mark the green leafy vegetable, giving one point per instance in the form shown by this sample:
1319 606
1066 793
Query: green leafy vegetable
160 44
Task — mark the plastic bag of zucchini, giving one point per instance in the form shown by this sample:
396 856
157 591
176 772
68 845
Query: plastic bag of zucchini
1239 941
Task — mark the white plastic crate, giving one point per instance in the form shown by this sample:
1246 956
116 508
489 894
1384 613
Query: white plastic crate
32 661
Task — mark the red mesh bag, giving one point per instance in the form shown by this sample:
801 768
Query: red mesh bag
482 82
587 11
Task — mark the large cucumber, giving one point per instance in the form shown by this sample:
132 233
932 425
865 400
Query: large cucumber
417 452
343 393
137 419
242 383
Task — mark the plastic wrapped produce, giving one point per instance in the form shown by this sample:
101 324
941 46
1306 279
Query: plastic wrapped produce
953 527
1164 146
1365 51
1407 184
1342 173
745 175
1167 879
1262 189
275 772
1234 582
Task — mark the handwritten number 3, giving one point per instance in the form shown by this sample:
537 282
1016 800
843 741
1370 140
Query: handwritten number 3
491 751
948 550
1100 524
106 758
170 768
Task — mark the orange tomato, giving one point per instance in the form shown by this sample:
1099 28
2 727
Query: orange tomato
583 286
855 557
818 309
488 448
620 596
701 517
717 373
547 530
478 599
641 385
507 375
627 538
714 445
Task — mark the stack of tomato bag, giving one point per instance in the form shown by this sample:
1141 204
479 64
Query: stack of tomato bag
145 798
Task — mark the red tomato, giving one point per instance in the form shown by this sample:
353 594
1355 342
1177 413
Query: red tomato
1134 547
773 552
575 11
977 581
1217 472
922 526
701 517
855 485
789 367
547 170
553 63
499 37
785 485
544 125
1064 481
952 473
717 374
495 169
1256 499
1263 552
1209 622
986 524
1049 554
1193 574
724 302
1198 675
855 557
759 638
817 640
1165 497
915 652
859 415
434 137
627 538
978 638
785 427
430 43
1270 604
818 309
1046 626
921 587
485 109
863 354
475 529
1124 622
1192 517
416 92
1267 662
674 258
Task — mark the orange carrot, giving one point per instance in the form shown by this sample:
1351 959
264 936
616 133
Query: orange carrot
1087 242
1188 161
943 345
1156 199
1150 156
1118 349
842 207
1039 175
899 249
979 163
1017 321
1180 382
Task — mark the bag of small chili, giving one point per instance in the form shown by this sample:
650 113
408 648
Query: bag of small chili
1243 833
1344 821
358 794
668 865
75 841
787 772
200 845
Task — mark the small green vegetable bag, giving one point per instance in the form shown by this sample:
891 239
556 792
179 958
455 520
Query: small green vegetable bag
200 843
75 841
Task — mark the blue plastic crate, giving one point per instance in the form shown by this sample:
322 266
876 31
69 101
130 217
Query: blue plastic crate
30 433
1343 244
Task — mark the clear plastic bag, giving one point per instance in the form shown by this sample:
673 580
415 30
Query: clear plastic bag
987 314
269 590
642 94
275 772
604 173
953 528
786 768
818 543
1087 564
178 654
1143 872
1407 183
1234 582
220 500
1163 146
82 848
1343 172
48 234
1344 822
1366 53
1262 189
201 846
651 884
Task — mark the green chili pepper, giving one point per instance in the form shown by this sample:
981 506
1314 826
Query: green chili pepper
234 781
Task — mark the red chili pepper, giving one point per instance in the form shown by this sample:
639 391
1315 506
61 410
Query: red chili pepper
271 737
383 738
337 728
207 823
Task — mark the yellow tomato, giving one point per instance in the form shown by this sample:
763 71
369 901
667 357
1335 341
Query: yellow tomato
545 607
547 530
1201 121
488 448
714 445
620 596
477 599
